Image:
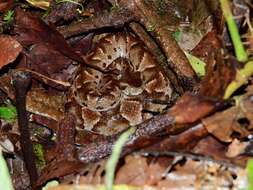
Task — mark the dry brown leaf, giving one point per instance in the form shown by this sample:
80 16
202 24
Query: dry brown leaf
235 119
202 175
9 49
139 171
41 103
134 172
236 148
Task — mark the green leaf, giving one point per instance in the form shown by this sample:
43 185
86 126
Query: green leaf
5 180
8 113
50 184
113 160
249 169
120 187
197 64
8 17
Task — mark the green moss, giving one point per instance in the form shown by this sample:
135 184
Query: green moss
8 113
39 155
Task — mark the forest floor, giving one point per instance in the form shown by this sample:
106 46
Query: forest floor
126 94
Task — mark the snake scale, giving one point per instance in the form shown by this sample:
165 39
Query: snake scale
132 87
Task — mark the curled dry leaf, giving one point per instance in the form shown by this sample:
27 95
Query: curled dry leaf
235 119
9 49
218 73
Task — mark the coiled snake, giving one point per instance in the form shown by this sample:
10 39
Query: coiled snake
128 92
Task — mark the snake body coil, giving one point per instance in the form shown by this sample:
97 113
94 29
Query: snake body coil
124 94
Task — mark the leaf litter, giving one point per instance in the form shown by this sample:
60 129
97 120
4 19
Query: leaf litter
197 140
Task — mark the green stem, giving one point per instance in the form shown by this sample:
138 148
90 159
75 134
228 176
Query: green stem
241 78
5 179
240 52
113 160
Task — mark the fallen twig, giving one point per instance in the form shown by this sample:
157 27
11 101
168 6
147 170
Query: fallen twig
115 18
21 82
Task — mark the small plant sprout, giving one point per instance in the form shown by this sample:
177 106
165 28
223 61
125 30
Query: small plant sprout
8 17
113 160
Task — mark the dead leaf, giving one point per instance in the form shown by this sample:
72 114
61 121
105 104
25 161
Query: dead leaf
31 30
44 104
190 108
236 148
210 147
64 161
9 48
235 119
4 6
134 171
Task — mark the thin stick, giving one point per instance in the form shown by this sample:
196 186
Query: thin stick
21 82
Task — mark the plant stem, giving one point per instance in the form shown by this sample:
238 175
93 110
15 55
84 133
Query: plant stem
241 78
240 52
114 158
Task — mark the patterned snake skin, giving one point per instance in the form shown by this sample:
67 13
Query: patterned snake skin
132 87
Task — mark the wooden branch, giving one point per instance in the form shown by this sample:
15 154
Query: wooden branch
116 18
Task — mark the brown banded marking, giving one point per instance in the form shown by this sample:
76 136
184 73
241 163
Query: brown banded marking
113 100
